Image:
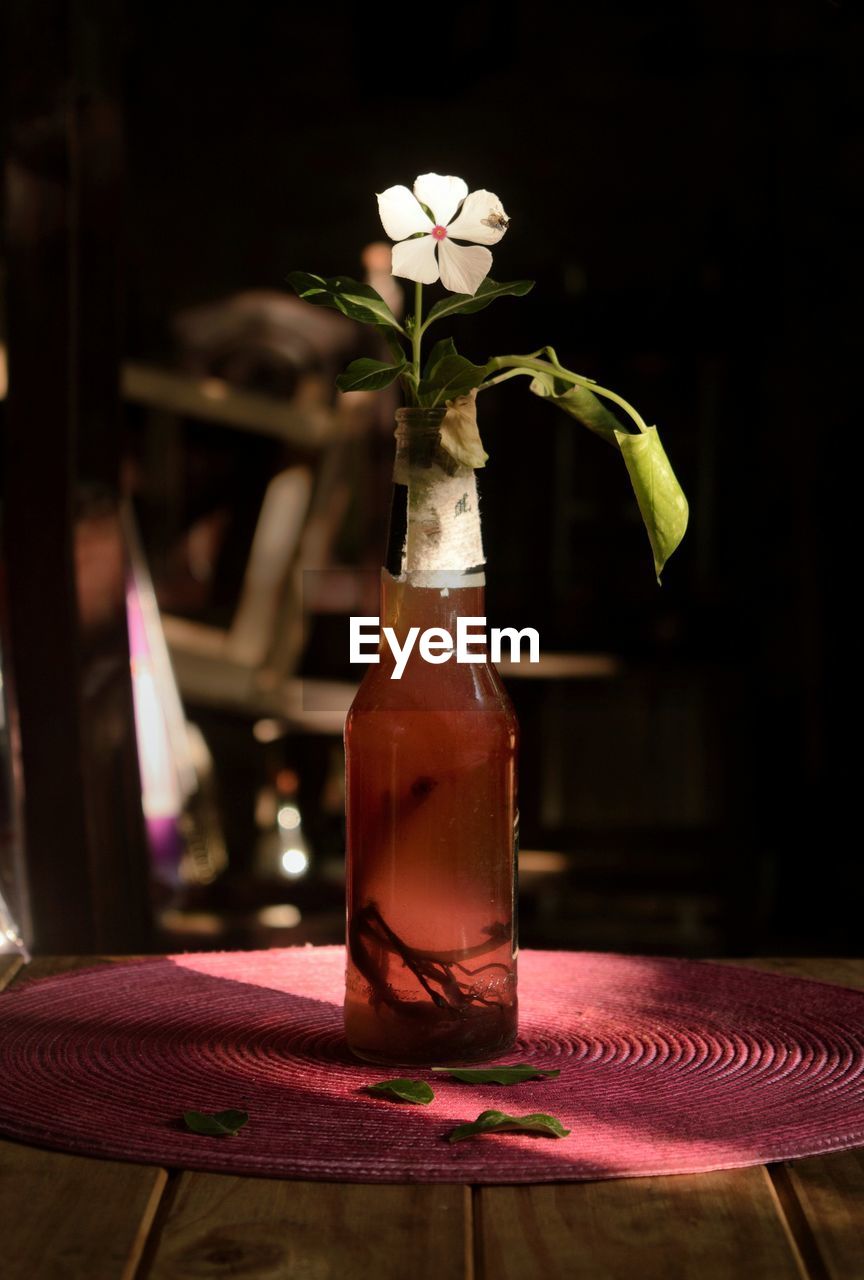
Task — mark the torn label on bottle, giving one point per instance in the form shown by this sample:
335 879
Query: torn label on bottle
443 522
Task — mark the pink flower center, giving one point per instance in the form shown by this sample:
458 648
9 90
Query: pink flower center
439 232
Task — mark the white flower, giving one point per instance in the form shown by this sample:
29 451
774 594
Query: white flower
481 220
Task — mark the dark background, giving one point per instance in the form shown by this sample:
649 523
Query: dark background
685 186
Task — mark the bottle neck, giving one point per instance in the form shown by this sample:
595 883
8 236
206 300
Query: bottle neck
434 539
404 604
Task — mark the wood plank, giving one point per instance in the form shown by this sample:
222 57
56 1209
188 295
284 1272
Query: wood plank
71 1216
266 1229
823 1196
830 1193
710 1225
67 1217
845 971
212 400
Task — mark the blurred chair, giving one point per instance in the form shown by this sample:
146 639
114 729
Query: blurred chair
230 350
250 667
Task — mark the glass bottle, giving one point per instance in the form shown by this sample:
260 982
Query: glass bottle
431 793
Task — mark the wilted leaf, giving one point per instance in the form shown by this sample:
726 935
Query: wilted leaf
658 493
660 497
404 1090
500 1122
215 1124
498 1075
460 436
580 403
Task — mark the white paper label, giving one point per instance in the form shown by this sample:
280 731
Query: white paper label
443 522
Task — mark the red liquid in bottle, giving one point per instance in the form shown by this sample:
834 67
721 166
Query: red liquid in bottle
431 807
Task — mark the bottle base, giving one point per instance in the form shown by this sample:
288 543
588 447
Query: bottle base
428 1060
430 1041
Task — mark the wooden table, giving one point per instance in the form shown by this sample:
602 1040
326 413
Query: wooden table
69 1216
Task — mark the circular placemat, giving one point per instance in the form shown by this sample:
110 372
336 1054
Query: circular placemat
667 1066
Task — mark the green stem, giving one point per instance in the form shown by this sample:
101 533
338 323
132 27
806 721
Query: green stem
502 377
511 373
530 364
417 336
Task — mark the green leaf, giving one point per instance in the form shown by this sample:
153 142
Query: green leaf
659 495
369 375
215 1124
393 342
498 1075
355 300
405 1090
466 303
661 499
452 376
445 347
580 403
500 1122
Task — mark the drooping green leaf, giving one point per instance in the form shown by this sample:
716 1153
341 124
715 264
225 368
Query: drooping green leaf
215 1124
355 300
369 375
659 495
467 303
500 1122
580 403
498 1075
452 376
405 1090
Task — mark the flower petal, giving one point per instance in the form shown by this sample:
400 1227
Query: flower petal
415 260
401 214
442 195
464 267
480 208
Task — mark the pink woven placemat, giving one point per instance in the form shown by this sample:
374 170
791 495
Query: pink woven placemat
667 1066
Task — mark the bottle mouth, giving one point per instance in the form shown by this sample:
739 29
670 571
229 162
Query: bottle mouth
416 412
418 439
414 419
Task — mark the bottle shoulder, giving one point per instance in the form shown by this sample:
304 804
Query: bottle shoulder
426 687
